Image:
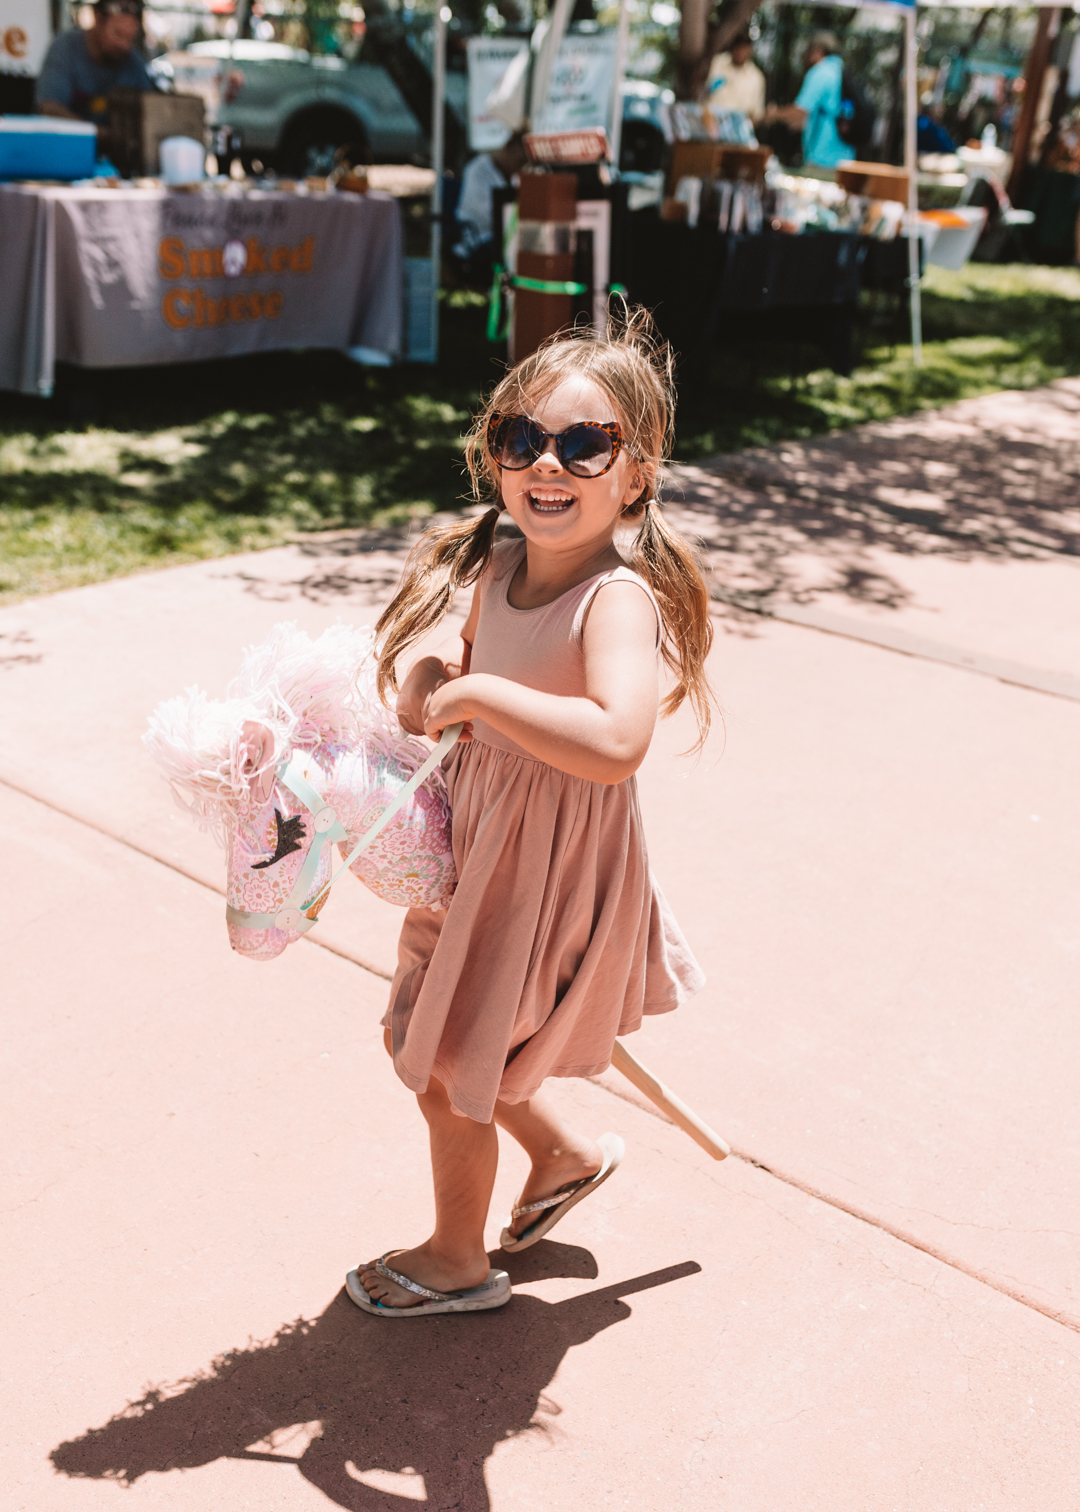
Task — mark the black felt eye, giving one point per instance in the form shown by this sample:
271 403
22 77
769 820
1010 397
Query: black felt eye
290 835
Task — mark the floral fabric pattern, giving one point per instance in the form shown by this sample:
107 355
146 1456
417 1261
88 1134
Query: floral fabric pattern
410 863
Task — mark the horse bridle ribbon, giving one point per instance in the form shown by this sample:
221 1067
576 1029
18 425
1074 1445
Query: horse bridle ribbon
300 915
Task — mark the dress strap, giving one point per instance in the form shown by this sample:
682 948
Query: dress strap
616 575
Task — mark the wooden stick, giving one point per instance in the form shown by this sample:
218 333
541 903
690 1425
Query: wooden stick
668 1103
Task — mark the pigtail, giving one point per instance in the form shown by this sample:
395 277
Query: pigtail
635 367
444 559
668 564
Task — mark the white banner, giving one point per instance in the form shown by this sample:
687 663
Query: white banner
579 96
25 34
489 58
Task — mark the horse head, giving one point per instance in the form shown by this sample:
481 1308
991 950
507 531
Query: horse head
299 757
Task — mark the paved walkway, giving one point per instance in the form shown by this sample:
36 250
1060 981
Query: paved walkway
873 1307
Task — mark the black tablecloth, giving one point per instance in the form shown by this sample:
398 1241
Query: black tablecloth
1055 199
704 285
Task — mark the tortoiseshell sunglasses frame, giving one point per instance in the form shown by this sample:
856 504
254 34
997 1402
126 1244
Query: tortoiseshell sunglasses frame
613 429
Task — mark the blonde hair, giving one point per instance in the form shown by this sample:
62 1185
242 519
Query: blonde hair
635 370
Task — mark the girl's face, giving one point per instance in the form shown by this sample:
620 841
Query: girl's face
553 507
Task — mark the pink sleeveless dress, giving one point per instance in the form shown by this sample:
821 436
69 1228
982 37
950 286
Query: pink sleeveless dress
557 938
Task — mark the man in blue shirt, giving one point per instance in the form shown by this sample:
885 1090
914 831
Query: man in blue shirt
817 106
81 67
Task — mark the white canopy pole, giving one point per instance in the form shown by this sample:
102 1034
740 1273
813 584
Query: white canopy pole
547 59
621 44
911 163
438 157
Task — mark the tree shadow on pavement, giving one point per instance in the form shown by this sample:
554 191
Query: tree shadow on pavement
995 481
376 1413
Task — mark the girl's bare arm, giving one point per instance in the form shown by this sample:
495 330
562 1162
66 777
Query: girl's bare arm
602 736
429 673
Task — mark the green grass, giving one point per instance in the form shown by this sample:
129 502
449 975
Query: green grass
987 327
130 470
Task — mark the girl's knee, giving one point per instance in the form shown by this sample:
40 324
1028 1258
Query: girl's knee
388 1042
435 1102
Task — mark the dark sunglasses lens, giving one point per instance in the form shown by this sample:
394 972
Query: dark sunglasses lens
517 442
586 450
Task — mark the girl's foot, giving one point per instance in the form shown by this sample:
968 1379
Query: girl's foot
568 1165
424 1266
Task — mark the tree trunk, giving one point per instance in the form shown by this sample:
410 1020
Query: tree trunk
1038 58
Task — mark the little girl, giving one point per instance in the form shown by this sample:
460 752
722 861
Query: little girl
557 938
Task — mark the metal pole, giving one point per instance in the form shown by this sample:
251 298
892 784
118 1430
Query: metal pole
621 42
911 163
438 122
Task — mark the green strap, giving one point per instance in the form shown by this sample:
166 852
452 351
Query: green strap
498 325
547 285
495 305
498 328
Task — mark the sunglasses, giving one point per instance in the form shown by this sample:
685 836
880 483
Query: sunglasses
586 450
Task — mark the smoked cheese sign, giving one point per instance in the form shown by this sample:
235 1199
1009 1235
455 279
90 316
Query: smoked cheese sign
149 276
197 304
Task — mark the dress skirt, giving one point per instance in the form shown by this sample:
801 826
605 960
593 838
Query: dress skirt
556 940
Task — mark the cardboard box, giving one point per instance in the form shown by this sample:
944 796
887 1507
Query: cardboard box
715 160
874 181
140 120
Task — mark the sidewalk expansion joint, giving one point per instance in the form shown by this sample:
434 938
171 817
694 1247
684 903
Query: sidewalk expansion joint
907 643
903 1236
174 866
860 1214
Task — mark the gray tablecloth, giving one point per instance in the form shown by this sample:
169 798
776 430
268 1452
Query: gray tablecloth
113 277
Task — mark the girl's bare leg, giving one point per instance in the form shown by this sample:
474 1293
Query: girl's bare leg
559 1156
464 1155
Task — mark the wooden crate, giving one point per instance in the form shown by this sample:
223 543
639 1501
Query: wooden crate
140 120
694 160
879 181
744 162
713 160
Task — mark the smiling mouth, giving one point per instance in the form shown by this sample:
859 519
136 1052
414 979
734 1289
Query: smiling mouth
550 503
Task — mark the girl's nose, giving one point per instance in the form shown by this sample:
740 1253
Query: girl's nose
549 457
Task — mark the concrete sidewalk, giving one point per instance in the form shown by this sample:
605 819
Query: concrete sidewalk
874 1306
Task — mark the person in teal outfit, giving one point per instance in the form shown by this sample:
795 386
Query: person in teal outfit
818 105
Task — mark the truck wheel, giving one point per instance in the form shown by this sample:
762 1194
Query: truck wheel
317 141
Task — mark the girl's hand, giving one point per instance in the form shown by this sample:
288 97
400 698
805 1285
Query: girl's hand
448 705
425 677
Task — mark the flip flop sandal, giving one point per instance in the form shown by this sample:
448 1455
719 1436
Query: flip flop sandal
558 1206
494 1292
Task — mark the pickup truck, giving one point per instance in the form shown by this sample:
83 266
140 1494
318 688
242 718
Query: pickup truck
292 110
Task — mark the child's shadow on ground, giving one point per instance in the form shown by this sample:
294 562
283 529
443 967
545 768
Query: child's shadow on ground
426 1399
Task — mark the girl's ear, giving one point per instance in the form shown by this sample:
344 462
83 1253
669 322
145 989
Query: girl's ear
638 488
634 484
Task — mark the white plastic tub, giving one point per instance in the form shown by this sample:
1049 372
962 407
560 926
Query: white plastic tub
951 246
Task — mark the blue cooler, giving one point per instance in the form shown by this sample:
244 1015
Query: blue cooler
41 147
